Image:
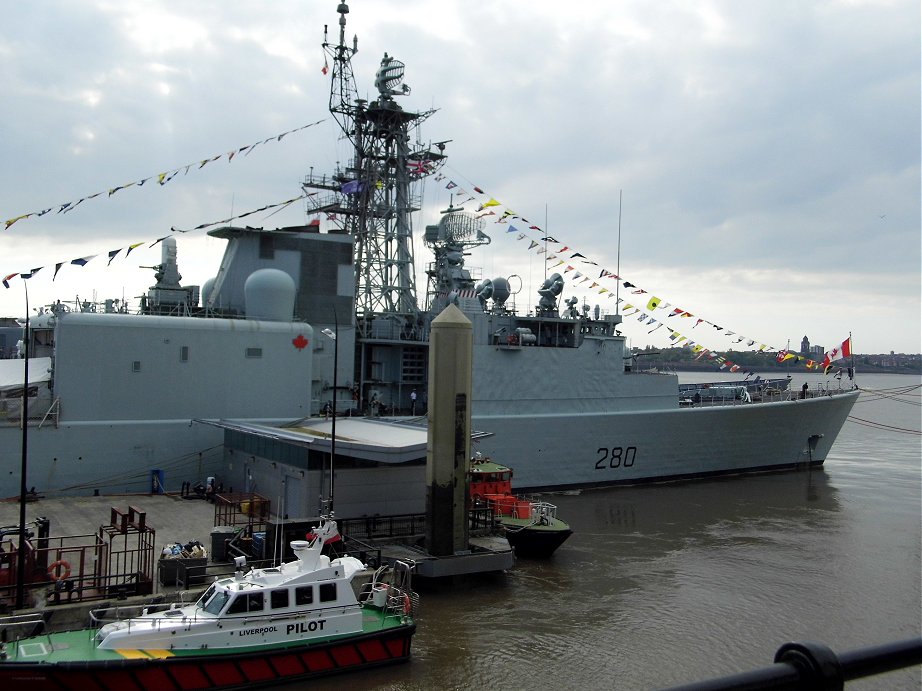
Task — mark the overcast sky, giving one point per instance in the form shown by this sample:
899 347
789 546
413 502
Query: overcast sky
768 152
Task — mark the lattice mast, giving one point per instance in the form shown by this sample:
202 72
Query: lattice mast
375 202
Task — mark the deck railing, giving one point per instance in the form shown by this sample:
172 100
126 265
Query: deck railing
809 665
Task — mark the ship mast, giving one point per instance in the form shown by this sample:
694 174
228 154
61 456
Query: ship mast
372 198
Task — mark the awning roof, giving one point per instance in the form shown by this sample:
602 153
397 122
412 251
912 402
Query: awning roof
386 440
12 371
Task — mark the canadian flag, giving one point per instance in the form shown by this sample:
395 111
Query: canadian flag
843 351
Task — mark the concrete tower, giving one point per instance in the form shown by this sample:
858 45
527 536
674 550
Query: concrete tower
448 446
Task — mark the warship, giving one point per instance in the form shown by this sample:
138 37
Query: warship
113 396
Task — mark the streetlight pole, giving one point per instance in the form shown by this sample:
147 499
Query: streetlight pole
21 556
334 335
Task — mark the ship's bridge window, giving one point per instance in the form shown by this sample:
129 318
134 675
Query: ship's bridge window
328 592
254 352
279 598
246 602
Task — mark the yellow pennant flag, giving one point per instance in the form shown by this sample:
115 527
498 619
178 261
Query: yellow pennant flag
653 303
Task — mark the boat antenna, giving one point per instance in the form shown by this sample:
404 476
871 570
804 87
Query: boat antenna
275 543
618 260
546 232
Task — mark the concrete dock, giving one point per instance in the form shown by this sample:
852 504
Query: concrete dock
175 519
172 518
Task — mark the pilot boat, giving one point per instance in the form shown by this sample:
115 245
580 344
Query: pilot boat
260 627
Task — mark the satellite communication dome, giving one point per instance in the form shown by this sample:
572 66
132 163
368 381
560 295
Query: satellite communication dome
206 291
269 295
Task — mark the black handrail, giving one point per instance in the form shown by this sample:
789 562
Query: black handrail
809 665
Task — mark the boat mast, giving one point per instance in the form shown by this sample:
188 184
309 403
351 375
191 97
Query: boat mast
372 198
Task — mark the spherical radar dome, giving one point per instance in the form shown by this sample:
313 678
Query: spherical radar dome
270 295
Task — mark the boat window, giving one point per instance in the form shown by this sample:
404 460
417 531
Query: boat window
217 602
207 596
327 592
304 595
246 602
279 598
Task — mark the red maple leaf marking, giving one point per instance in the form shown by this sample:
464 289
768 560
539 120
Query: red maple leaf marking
300 342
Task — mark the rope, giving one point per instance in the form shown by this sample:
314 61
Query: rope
878 425
892 395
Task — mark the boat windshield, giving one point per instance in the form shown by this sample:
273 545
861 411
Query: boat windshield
213 600
206 596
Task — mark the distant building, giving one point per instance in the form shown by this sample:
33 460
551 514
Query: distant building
805 346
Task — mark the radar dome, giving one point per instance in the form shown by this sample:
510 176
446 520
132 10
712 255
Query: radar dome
270 295
206 291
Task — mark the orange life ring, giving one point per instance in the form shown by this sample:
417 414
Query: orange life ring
53 570
407 605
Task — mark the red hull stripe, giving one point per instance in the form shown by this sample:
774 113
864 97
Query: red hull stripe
147 678
189 677
122 680
288 665
317 660
347 656
257 670
373 651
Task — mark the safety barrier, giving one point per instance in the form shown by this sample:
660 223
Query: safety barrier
809 665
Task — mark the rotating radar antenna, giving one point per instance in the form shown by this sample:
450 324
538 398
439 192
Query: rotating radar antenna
458 228
389 77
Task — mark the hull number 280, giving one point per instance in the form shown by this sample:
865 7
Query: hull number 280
615 457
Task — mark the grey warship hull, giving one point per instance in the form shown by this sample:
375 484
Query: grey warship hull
598 449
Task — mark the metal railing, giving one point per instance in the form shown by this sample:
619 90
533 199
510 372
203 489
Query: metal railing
809 665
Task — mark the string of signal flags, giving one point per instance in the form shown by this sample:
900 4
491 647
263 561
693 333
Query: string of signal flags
162 178
644 306
562 256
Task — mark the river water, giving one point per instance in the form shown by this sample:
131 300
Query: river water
671 584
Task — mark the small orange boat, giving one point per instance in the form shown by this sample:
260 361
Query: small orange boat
531 526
